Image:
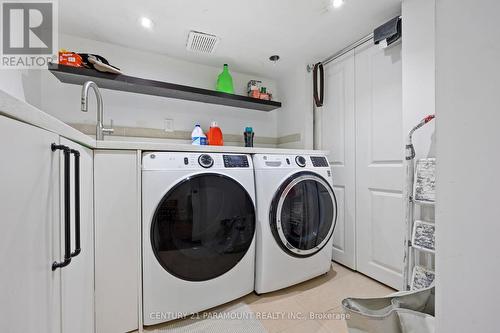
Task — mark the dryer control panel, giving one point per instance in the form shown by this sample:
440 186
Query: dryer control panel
319 161
271 161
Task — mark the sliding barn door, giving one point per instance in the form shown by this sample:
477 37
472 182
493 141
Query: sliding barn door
336 128
379 163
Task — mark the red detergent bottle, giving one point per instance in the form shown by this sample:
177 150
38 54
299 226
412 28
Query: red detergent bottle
214 135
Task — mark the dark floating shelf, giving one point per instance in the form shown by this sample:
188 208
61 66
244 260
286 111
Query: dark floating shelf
76 75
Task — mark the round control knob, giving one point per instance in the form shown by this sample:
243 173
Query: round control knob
301 161
205 161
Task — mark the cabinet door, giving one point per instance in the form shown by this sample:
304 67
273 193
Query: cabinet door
379 163
29 240
118 225
78 276
336 126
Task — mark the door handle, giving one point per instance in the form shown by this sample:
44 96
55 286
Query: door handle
318 91
78 249
67 213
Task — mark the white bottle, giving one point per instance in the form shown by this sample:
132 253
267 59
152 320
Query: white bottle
198 138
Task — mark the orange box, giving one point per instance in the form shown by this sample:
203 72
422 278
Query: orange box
70 59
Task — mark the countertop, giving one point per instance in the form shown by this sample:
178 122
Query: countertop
154 146
25 112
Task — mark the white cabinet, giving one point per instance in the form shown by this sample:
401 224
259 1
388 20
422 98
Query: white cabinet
29 239
117 220
36 298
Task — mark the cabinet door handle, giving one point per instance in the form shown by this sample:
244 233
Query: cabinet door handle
77 203
67 212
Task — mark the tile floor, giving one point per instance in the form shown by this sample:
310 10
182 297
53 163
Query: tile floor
321 296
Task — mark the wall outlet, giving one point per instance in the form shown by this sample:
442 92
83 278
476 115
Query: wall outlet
169 125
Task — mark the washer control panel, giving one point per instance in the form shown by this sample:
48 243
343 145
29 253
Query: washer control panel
236 161
195 161
206 161
319 161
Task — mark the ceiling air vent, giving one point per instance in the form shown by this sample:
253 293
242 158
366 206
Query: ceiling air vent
201 42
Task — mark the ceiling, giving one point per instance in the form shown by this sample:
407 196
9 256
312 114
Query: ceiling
300 31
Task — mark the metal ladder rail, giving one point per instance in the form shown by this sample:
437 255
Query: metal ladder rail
409 258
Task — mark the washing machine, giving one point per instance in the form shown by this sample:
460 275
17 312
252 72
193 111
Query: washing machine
296 216
198 232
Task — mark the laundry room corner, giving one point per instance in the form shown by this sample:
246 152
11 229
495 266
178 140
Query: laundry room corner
267 166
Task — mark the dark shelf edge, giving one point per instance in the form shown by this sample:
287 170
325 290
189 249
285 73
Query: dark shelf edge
120 82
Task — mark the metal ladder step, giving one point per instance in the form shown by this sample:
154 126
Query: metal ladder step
425 181
421 278
424 236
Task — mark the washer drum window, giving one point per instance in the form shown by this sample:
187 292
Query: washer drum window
203 227
303 214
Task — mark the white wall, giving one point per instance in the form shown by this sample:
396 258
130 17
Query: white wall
468 118
419 82
11 81
43 90
22 84
418 55
296 115
126 109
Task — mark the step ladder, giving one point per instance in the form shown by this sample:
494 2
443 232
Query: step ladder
420 196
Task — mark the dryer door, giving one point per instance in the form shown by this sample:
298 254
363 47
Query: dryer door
303 214
203 227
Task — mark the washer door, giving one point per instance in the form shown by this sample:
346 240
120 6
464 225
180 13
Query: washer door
303 214
203 227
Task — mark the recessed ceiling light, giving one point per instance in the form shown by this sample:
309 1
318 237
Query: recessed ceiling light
146 22
337 3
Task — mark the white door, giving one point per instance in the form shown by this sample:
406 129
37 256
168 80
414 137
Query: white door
336 125
78 276
29 239
379 163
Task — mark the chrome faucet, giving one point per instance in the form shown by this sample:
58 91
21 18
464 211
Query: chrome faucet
100 129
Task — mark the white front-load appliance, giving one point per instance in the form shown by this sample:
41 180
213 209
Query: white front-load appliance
296 216
198 232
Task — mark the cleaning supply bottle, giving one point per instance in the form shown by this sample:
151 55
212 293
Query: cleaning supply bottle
225 81
214 135
248 135
198 138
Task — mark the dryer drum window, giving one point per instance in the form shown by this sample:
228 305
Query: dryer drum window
303 214
203 227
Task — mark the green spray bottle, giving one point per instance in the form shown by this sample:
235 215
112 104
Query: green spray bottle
225 81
